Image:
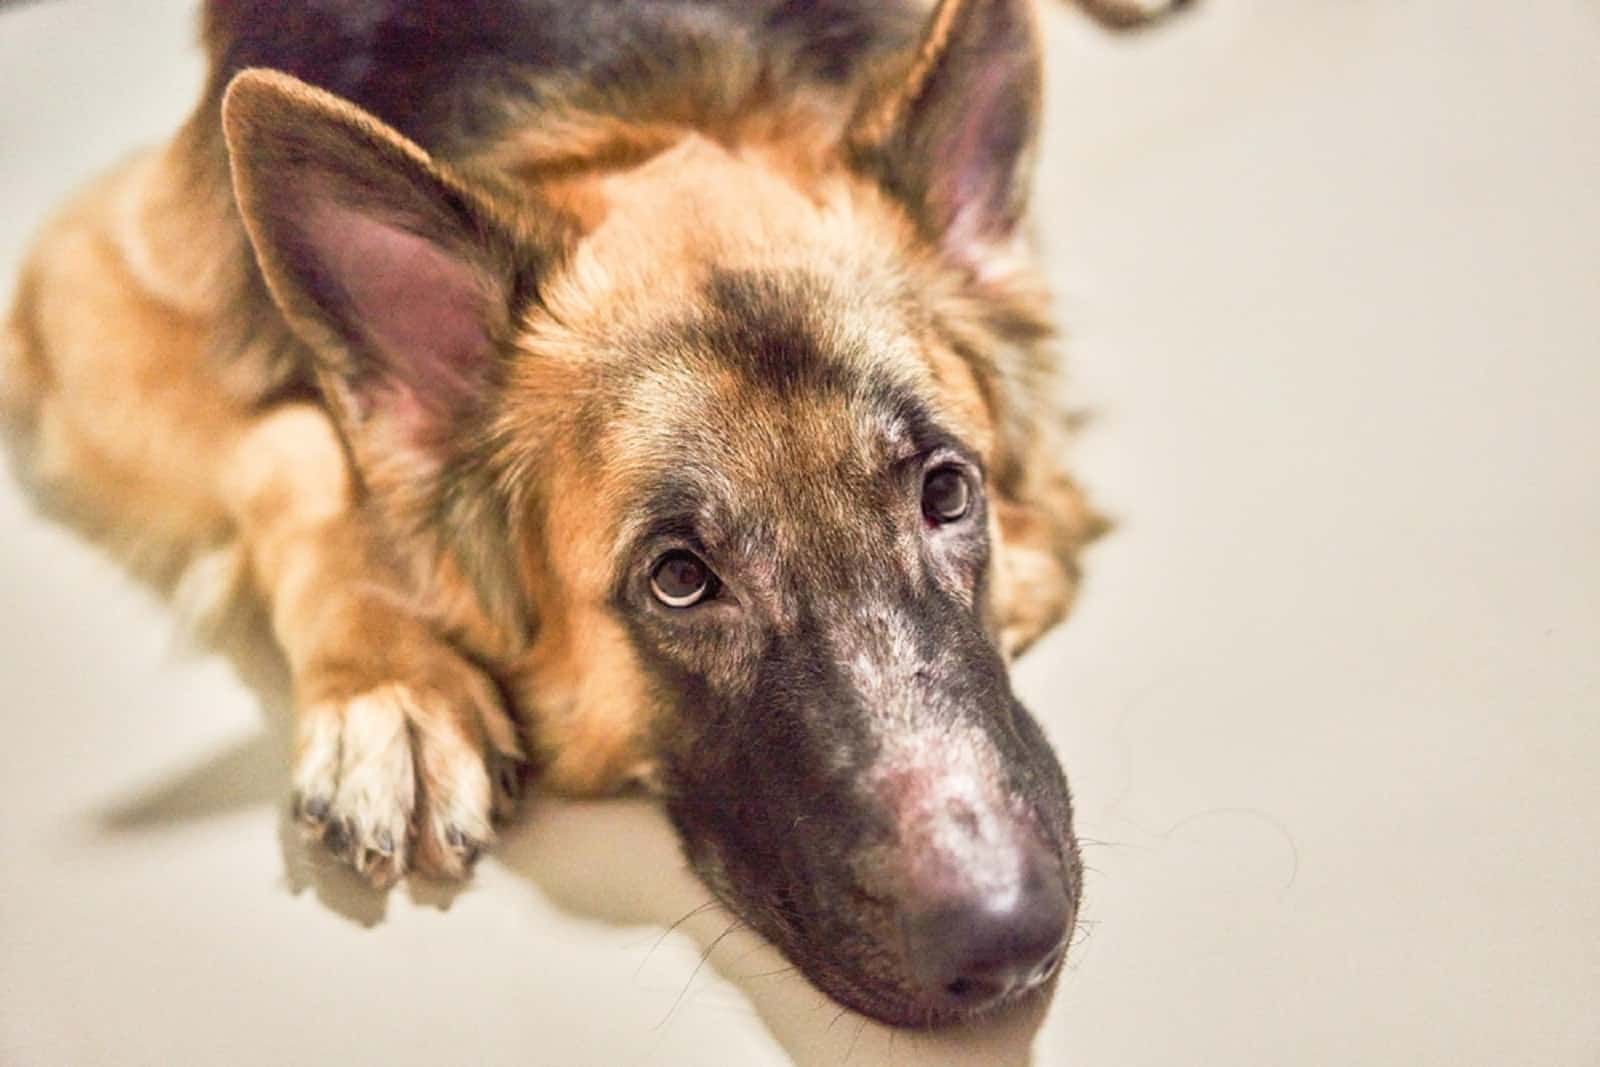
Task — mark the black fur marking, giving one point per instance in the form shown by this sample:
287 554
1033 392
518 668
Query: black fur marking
438 70
768 325
775 327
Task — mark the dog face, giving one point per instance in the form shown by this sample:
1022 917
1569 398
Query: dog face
713 439
840 748
835 734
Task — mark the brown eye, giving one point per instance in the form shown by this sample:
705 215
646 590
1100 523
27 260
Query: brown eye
681 579
946 496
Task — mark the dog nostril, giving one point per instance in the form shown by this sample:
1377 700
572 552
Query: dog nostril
974 951
975 991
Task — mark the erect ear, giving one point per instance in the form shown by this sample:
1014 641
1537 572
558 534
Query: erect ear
404 281
952 133
400 278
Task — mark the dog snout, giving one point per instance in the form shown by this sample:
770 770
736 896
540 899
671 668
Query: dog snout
983 895
973 949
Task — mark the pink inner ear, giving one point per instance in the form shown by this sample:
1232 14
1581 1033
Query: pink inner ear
420 309
969 134
980 157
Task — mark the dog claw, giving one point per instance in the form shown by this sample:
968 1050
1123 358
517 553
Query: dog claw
377 867
337 837
466 847
311 809
390 781
510 780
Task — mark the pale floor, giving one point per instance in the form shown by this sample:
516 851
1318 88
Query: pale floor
1331 270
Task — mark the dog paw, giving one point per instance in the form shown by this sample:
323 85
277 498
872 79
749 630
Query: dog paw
408 775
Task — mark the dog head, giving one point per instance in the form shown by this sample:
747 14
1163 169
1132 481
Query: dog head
734 446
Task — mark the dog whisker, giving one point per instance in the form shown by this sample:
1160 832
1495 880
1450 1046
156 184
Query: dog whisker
704 956
859 1031
1090 842
691 913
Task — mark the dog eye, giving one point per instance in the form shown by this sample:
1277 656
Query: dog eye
681 579
946 496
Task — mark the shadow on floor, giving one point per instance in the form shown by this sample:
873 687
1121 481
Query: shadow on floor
610 861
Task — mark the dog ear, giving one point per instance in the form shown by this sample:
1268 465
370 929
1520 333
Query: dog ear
952 133
404 281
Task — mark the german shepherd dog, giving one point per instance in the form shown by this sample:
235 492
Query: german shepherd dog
611 394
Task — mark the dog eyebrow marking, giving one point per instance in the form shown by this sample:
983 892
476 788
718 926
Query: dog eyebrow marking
675 512
770 325
671 513
779 329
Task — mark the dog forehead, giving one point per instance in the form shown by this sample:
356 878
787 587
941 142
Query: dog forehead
757 405
668 227
772 374
660 223
747 350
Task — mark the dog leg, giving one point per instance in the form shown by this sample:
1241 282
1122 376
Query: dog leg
403 749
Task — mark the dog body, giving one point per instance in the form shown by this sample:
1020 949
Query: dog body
648 393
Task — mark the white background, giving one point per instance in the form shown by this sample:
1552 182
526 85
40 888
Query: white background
1331 275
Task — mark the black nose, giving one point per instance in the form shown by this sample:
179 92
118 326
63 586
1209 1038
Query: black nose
975 950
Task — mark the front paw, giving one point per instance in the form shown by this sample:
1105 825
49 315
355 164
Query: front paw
406 774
